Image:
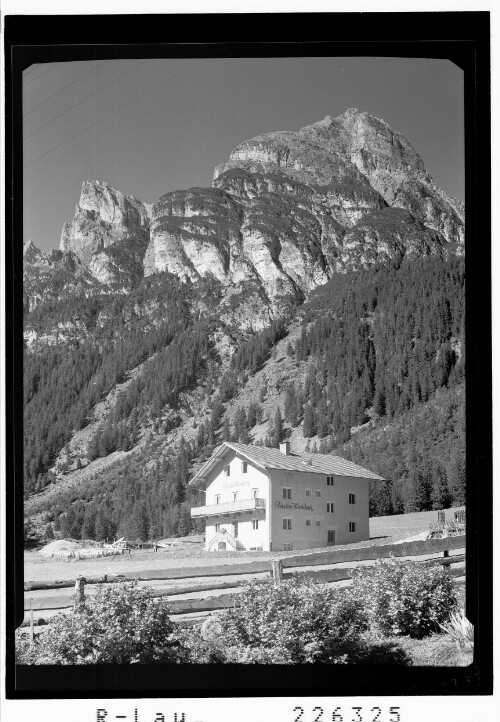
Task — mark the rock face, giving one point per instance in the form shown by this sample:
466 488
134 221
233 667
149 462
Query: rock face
286 211
290 208
109 233
52 276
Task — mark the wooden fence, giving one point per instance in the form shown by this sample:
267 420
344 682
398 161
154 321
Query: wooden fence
325 566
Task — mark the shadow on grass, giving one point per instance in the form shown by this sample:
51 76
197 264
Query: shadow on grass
378 651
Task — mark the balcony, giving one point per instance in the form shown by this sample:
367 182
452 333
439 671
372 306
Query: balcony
230 507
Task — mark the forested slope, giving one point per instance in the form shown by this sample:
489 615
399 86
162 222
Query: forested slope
377 359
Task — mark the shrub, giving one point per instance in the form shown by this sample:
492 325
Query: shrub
405 597
25 653
121 624
293 623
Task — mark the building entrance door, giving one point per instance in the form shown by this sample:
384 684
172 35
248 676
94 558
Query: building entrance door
331 537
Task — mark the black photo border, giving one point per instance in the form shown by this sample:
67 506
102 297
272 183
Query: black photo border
463 38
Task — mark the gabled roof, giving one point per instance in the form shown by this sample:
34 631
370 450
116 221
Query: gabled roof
266 458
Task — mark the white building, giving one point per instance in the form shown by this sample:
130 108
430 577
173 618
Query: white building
270 499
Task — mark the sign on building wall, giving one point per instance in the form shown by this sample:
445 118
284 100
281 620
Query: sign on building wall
293 505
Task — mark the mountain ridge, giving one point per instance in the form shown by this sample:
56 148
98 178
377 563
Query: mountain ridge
315 291
285 212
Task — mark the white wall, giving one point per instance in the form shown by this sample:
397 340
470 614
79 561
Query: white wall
243 485
302 507
299 508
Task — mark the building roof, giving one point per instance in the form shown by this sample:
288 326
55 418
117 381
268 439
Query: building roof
267 458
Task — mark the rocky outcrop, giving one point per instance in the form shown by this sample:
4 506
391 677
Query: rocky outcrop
53 276
285 212
355 149
109 233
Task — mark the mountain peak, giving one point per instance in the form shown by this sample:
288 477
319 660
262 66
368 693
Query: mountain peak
31 252
287 210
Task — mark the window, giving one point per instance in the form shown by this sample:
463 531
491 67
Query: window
235 529
352 498
226 470
330 481
235 495
254 493
217 498
287 547
352 526
244 466
330 508
287 524
308 492
287 493
308 522
217 528
318 523
318 493
255 523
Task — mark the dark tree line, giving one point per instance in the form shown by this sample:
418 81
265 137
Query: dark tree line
136 503
376 346
62 383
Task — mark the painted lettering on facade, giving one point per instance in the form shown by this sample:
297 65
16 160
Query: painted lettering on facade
234 484
293 505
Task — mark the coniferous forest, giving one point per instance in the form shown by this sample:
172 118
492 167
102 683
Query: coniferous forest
379 358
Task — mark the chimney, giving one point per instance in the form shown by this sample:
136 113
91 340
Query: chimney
285 448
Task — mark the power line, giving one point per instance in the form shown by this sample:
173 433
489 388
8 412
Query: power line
47 70
103 118
82 101
61 89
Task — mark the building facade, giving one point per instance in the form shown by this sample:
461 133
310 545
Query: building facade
258 498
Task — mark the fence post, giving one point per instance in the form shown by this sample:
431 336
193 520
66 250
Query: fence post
277 571
32 633
446 555
79 593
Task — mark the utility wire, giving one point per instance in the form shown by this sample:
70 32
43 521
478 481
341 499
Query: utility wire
108 115
63 88
47 70
83 100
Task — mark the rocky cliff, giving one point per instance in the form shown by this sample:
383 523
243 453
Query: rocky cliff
109 233
285 212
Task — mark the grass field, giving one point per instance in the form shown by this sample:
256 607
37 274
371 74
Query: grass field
383 530
401 526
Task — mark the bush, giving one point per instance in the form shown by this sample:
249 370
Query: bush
121 624
405 597
293 623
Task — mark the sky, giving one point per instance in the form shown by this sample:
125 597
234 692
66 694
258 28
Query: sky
151 126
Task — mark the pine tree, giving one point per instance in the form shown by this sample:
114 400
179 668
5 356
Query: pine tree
410 493
322 416
309 423
457 480
89 523
215 418
49 532
252 416
240 425
379 402
291 406
225 433
277 434
397 497
440 493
